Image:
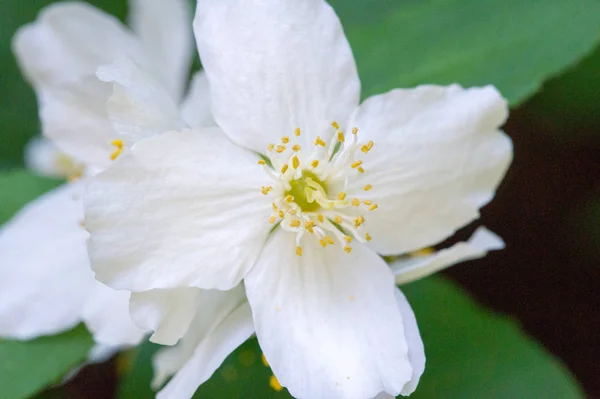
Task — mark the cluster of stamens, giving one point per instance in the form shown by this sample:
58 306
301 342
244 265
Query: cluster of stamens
310 188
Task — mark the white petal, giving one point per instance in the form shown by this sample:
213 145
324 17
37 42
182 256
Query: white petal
274 66
44 272
139 106
69 41
44 158
327 321
74 117
106 315
166 312
183 209
196 106
416 351
438 158
384 395
164 28
411 269
221 325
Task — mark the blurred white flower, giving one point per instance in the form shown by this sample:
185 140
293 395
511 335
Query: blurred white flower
336 184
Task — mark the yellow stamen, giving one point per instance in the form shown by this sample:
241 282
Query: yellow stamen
274 206
292 212
281 214
314 163
119 144
295 162
373 207
285 139
296 148
274 383
329 240
338 219
335 125
309 226
360 169
270 147
295 223
272 219
266 190
355 202
280 148
348 239
264 360
348 249
297 132
368 202
321 218
342 196
319 141
284 168
323 243
340 136
368 187
289 198
359 221
368 237
356 164
261 162
299 251
354 130
367 147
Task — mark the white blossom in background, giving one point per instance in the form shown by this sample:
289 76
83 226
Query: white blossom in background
296 193
46 284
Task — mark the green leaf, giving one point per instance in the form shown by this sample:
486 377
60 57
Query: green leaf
136 366
17 188
28 367
472 353
514 44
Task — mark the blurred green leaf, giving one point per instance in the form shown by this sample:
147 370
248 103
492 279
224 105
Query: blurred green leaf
513 44
17 188
471 353
136 368
28 367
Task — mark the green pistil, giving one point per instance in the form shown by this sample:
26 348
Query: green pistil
298 191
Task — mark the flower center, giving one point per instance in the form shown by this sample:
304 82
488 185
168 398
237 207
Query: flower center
310 189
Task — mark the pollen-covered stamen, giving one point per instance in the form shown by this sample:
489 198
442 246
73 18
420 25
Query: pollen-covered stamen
309 188
118 150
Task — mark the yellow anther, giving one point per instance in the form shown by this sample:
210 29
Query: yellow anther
266 190
321 218
373 207
354 130
264 360
314 163
355 202
338 219
359 221
356 164
368 202
328 240
348 238
323 243
119 144
368 187
261 162
342 196
299 251
368 237
296 148
272 219
292 212
274 383
367 147
270 147
280 148
348 249
295 162
289 198
309 226
297 132
340 136
319 141
335 125
281 214
284 168
274 206
295 223
285 139
360 169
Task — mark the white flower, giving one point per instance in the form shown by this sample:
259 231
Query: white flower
46 284
336 183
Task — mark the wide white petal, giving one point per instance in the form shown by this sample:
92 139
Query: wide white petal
274 66
183 209
164 28
438 157
44 271
139 106
106 315
223 322
416 351
415 268
166 312
327 321
69 41
74 117
196 106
